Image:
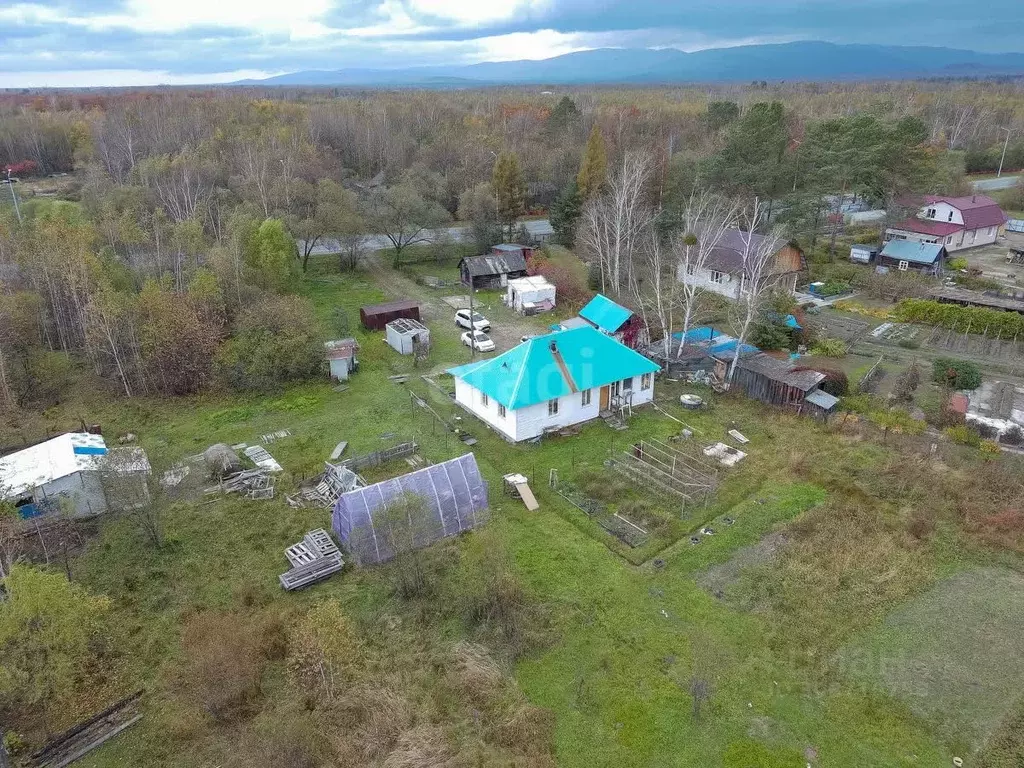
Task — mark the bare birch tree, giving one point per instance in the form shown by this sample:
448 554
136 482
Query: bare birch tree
756 283
653 284
705 220
613 225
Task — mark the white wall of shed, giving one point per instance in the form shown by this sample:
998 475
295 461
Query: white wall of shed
83 490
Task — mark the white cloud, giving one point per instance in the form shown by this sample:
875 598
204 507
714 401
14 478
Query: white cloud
473 12
542 44
100 78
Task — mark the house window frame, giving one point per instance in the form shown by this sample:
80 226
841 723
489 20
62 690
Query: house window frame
484 399
930 213
645 381
586 397
553 406
627 384
691 268
501 411
903 266
717 277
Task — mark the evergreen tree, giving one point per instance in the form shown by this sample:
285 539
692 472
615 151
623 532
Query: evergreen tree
509 191
565 214
563 115
594 168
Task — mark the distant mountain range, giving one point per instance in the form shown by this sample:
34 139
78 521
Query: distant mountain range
635 66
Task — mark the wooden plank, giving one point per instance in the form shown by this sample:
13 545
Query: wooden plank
527 496
98 742
338 450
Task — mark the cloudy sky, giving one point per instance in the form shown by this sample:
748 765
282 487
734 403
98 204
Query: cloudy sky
136 42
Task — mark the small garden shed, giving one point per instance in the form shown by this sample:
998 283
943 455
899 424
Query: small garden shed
375 317
403 335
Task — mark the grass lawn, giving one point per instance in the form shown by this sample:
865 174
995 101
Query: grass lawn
953 654
633 641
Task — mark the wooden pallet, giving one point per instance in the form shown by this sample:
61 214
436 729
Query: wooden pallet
306 575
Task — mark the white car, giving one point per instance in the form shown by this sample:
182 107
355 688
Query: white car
478 340
479 323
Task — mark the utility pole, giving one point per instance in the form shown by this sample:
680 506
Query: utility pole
14 197
472 325
1001 158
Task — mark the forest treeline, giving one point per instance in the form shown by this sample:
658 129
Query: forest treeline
168 259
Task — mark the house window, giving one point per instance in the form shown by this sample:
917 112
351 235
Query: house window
691 269
930 213
950 217
991 231
627 384
645 381
716 276
484 399
949 239
903 266
585 397
501 411
553 407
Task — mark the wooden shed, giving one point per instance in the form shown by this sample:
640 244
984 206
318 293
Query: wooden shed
375 316
774 382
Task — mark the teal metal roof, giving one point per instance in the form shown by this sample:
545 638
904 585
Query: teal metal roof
912 251
529 373
605 313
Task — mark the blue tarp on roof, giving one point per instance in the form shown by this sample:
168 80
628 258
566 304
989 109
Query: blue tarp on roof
912 251
605 313
697 334
729 347
530 372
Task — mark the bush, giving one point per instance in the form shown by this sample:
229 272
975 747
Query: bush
957 264
222 666
833 287
963 435
992 322
1012 436
829 348
769 335
906 384
276 341
990 449
956 374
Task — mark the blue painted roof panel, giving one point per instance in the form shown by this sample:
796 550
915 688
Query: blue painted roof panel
529 373
912 251
605 313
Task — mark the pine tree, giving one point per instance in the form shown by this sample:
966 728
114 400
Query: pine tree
565 215
509 191
594 168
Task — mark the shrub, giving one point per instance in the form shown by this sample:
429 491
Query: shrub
829 348
276 340
957 264
956 374
1012 436
990 449
963 435
222 667
769 335
906 384
994 323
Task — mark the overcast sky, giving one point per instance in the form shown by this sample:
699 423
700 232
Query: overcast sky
138 42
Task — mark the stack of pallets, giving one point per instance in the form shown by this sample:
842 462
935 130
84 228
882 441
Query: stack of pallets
313 559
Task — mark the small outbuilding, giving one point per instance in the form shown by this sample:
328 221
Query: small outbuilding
404 335
911 255
615 320
375 317
862 254
775 382
66 474
493 270
530 295
341 357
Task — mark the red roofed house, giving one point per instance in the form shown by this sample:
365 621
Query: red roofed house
954 222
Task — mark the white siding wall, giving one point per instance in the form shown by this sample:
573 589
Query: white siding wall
943 212
728 287
471 399
531 421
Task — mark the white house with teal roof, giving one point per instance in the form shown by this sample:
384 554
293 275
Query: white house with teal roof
554 381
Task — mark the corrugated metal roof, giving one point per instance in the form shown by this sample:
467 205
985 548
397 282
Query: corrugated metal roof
605 313
389 306
822 399
495 263
912 251
529 373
